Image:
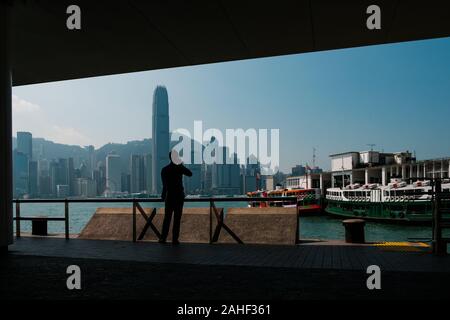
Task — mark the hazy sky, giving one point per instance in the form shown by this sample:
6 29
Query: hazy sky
395 96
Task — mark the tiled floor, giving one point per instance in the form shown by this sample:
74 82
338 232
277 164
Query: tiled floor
35 268
315 256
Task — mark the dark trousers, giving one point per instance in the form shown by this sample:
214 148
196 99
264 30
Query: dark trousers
175 207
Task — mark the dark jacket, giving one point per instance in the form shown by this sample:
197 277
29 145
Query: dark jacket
172 180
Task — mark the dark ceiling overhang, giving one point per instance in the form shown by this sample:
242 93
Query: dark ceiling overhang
128 36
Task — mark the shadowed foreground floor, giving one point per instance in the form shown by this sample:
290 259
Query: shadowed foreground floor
35 268
33 277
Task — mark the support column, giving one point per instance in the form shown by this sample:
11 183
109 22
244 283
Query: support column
366 176
448 172
6 225
424 169
383 176
404 171
434 170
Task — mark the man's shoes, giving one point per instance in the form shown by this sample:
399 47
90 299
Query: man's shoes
175 242
163 241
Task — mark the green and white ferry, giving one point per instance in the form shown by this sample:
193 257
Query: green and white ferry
397 202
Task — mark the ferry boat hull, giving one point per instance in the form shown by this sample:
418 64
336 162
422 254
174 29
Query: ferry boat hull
379 212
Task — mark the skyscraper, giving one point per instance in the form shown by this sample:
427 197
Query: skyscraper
32 178
148 172
20 173
59 174
100 177
91 161
113 173
226 175
193 184
25 144
160 136
53 173
63 174
137 173
71 176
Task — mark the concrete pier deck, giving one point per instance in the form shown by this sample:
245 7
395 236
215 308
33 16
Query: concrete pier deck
119 269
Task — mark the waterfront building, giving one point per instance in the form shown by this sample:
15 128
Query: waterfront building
226 176
298 170
32 178
45 189
320 180
379 167
160 136
90 164
137 173
125 182
85 188
267 182
63 171
99 176
62 190
206 179
53 173
59 174
71 175
43 167
25 143
279 179
84 171
193 184
113 173
20 173
251 175
148 172
250 183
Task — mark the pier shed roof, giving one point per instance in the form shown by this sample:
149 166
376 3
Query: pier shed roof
135 35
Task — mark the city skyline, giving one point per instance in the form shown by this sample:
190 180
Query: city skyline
86 173
37 175
348 93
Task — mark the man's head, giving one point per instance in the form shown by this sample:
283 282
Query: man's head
175 157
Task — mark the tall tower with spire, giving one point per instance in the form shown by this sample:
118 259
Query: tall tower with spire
160 136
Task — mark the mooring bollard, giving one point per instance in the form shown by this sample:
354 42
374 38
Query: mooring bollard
354 230
39 226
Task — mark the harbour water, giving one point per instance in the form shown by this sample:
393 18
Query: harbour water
318 227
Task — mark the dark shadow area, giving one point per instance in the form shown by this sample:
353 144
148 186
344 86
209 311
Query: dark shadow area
31 277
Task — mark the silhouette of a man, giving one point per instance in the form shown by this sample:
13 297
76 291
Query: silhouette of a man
173 195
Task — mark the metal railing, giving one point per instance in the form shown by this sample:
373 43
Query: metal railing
136 207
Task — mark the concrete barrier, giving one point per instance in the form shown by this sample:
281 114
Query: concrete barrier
251 225
272 225
116 224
